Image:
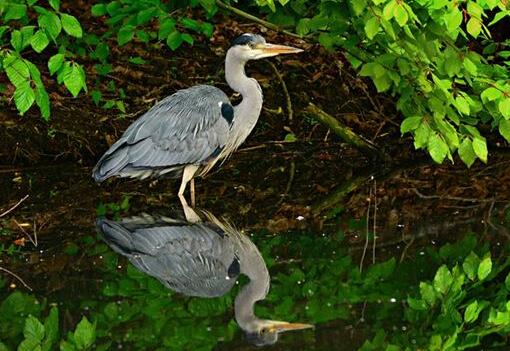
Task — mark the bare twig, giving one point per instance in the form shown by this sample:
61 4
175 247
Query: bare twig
255 19
34 242
366 235
285 91
13 207
375 221
455 198
17 277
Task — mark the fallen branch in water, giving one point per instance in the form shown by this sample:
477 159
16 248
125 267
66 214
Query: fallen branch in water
345 133
13 207
17 277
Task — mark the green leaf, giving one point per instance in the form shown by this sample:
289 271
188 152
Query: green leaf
85 334
14 11
71 25
187 38
24 97
462 105
166 27
174 40
43 101
98 10
55 62
471 313
416 304
137 60
30 344
474 27
470 66
55 4
466 152
437 147
74 80
480 148
453 19
39 41
290 137
401 15
428 293
17 70
484 268
504 129
358 6
491 94
372 27
410 123
52 329
125 34
50 23
443 279
33 328
504 107
421 136
507 282
389 10
17 40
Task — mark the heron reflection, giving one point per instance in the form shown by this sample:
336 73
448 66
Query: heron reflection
202 258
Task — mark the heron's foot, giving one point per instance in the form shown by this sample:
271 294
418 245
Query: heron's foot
190 214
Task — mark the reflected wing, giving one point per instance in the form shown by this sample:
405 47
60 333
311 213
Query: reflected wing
187 127
195 260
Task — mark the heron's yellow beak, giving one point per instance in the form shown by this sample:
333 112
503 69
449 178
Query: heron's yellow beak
277 326
273 49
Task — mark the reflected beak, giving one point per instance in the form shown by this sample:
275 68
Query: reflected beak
277 326
273 49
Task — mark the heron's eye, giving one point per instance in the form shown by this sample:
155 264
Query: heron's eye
263 331
252 45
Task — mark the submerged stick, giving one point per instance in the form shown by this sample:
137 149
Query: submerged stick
343 132
13 207
17 277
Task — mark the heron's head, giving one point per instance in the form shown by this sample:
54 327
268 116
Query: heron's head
265 332
253 47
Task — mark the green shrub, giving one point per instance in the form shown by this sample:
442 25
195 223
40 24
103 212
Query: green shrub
443 61
31 26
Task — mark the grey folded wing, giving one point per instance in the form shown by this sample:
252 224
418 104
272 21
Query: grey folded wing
191 259
188 127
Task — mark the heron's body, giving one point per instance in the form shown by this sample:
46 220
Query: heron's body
193 259
187 133
199 259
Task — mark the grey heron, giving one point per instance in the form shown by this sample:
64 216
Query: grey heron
186 133
199 258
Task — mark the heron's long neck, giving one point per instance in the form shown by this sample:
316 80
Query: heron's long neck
247 112
256 290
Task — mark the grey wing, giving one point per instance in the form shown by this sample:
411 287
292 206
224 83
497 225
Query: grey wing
192 259
188 127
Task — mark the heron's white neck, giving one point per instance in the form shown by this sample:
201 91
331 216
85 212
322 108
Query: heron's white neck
252 265
247 112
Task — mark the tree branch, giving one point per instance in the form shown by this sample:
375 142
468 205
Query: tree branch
345 133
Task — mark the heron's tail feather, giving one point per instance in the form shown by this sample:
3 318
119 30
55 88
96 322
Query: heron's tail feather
110 164
116 235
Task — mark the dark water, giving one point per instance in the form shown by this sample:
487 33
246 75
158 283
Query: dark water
313 229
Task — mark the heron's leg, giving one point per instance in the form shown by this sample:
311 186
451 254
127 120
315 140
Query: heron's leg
187 175
192 191
190 215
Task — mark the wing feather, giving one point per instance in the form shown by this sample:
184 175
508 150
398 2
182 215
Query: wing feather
184 128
